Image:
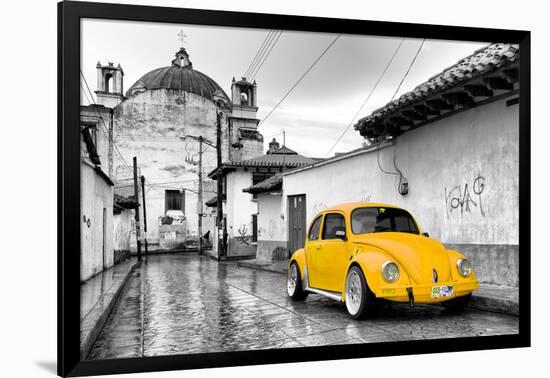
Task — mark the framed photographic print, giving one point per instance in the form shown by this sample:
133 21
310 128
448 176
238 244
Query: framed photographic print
255 189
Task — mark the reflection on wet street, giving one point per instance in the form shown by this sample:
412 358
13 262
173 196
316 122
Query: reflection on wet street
183 303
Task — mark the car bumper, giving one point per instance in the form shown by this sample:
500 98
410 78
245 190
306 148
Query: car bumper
423 293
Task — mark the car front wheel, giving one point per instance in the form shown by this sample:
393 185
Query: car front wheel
360 300
294 285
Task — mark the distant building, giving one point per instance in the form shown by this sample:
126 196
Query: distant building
240 208
152 120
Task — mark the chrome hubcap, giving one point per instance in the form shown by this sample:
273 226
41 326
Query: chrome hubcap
292 280
353 292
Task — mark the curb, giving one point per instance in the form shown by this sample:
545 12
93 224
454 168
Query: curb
96 329
494 303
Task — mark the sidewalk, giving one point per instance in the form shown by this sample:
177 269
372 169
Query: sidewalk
98 296
493 298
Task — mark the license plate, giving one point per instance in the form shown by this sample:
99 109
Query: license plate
442 291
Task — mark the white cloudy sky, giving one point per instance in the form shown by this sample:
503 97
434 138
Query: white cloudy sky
318 110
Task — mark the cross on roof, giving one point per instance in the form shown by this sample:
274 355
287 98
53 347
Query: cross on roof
182 36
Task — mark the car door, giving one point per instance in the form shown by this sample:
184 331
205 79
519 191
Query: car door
311 247
332 257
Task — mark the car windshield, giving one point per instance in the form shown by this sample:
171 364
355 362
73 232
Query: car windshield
365 220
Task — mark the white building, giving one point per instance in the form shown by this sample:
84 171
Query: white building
448 152
240 208
158 120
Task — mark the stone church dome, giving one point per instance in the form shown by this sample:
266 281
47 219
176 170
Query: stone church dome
179 76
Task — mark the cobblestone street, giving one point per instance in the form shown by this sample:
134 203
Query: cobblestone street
184 303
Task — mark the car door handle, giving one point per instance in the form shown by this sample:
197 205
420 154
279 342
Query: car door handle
318 247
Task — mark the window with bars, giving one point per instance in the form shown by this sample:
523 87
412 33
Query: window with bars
174 200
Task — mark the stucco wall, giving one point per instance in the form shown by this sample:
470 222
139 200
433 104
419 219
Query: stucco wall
95 195
122 231
463 183
272 228
149 125
239 210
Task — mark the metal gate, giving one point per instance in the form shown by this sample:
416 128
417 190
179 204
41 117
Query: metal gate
296 222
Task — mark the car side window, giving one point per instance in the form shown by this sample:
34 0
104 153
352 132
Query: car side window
314 230
333 222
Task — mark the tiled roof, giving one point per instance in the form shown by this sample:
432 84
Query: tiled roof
273 160
272 183
481 64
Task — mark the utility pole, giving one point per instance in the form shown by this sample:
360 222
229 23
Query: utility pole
144 215
200 194
284 156
136 196
219 207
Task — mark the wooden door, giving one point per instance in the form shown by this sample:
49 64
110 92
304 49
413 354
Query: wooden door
296 222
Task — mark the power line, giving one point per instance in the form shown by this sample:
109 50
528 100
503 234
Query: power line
260 50
254 73
262 54
368 97
105 126
409 69
301 78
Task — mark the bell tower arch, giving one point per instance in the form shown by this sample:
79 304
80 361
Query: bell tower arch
109 84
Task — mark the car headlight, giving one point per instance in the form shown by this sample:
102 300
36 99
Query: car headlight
465 267
390 271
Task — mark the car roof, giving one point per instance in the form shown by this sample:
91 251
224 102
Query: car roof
349 206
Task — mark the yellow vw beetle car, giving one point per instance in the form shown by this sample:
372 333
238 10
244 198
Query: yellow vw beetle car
360 253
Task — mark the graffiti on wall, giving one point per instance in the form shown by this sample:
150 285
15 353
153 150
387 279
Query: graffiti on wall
319 206
465 198
243 237
366 198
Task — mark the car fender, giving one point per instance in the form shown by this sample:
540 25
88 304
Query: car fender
300 257
370 262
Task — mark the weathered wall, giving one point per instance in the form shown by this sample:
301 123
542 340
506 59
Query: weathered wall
122 231
463 184
149 125
95 195
271 228
239 210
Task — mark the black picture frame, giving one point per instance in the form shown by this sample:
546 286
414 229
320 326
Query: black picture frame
69 16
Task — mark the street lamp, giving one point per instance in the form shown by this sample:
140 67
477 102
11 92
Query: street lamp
221 105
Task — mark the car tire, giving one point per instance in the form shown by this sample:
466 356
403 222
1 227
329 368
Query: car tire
360 301
294 285
458 303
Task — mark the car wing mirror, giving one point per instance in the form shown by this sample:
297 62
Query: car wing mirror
426 234
340 234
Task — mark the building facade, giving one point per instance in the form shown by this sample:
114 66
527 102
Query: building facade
447 152
240 206
158 120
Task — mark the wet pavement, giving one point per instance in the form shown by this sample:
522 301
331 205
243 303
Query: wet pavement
183 303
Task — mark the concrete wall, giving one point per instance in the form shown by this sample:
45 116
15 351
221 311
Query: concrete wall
463 184
272 228
239 209
122 231
96 240
149 125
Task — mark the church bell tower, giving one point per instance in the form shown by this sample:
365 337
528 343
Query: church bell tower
246 141
110 91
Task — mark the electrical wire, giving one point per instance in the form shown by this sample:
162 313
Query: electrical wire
409 69
259 67
258 53
397 170
367 98
300 79
106 129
